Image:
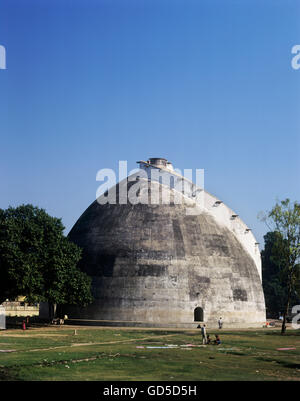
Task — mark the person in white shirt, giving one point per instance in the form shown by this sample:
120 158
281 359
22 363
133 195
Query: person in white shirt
203 332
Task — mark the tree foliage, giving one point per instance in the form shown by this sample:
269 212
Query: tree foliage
275 276
284 218
38 261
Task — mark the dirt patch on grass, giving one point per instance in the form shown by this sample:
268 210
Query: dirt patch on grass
33 335
95 343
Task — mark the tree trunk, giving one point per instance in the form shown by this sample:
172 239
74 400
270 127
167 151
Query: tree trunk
52 311
283 327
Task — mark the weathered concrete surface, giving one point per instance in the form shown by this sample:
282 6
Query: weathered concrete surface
155 264
224 216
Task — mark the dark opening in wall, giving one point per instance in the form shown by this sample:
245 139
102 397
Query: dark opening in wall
198 314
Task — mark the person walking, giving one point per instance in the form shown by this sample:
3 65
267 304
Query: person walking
220 322
203 332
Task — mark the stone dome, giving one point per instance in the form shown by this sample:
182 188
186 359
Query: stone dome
161 265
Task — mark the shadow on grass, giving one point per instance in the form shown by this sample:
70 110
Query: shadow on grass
7 375
285 364
289 364
234 353
287 334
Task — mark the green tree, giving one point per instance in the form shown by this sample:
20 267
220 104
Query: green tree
38 261
284 218
274 276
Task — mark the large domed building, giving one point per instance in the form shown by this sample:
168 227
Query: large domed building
163 252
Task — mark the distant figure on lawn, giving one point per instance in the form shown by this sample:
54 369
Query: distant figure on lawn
203 332
208 341
217 341
220 322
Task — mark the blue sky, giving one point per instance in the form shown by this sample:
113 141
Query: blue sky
204 83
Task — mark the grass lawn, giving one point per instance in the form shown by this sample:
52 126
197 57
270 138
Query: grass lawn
103 354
